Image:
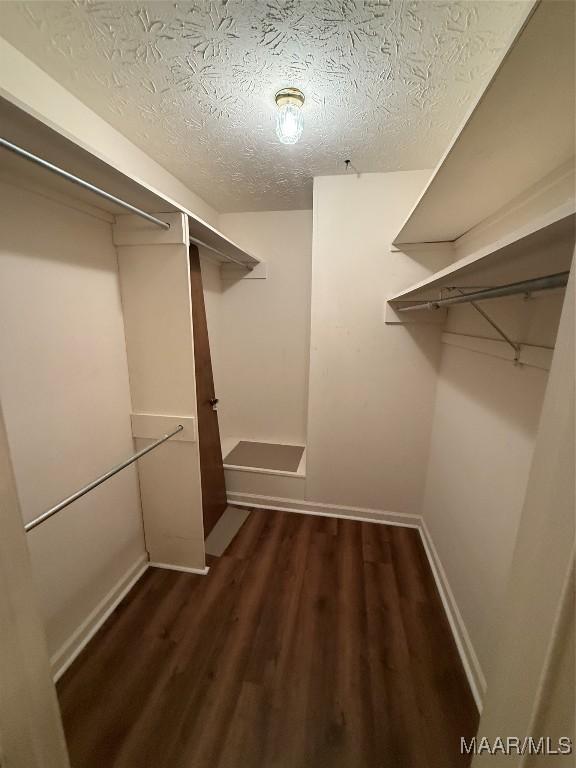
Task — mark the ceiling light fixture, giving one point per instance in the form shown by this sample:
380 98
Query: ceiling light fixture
289 120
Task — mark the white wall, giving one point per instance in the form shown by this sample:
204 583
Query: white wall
533 643
485 422
262 363
31 732
155 285
556 713
486 419
66 401
371 386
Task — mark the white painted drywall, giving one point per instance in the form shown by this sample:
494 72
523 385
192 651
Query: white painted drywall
264 335
372 386
539 594
31 732
26 85
155 286
66 401
556 715
486 418
485 422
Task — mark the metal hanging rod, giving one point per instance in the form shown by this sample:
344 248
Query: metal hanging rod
80 182
558 280
99 480
215 250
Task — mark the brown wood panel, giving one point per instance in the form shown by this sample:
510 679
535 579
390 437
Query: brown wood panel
312 642
211 465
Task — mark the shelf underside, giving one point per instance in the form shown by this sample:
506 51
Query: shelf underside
546 251
521 129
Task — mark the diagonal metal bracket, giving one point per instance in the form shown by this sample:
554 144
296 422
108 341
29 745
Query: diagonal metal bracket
516 347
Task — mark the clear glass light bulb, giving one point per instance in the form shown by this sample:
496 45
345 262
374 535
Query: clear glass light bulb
289 123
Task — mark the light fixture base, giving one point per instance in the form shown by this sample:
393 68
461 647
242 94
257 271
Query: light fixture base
289 96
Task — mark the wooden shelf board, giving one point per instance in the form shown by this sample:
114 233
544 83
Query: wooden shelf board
519 131
32 134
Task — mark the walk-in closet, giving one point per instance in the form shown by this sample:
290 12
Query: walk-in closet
287 384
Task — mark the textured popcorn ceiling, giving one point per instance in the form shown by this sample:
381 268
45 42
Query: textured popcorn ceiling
387 82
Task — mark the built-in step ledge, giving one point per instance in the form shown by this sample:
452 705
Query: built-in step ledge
268 458
264 468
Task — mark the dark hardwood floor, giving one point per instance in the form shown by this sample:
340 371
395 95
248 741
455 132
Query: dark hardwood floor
312 643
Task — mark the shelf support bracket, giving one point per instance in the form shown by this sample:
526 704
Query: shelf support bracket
516 347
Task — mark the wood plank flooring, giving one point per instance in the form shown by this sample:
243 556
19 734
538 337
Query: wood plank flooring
312 643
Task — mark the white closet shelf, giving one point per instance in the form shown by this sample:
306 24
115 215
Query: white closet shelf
30 133
543 246
501 151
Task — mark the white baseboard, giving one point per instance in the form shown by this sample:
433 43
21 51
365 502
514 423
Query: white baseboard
182 568
327 510
72 648
468 656
470 662
75 644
